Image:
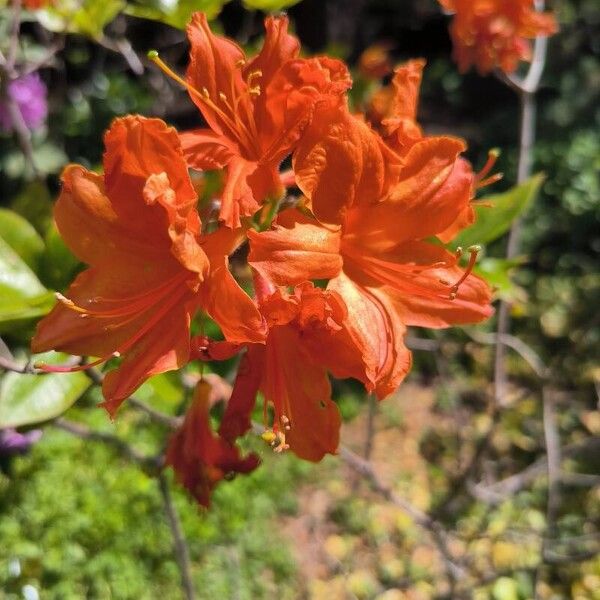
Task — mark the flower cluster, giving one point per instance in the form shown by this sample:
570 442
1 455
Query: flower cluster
495 33
339 271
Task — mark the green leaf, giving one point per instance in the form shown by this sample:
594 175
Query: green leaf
29 399
493 222
58 264
176 14
496 271
21 236
22 296
87 17
269 5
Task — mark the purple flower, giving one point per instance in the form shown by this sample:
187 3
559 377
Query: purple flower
13 442
29 92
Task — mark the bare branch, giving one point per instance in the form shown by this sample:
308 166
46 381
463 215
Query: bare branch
527 353
439 535
148 464
182 553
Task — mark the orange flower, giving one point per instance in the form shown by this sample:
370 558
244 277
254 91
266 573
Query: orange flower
150 268
393 113
380 262
495 33
374 62
256 109
199 457
306 338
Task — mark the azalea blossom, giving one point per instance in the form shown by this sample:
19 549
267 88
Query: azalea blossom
491 34
378 256
306 339
255 108
199 457
150 269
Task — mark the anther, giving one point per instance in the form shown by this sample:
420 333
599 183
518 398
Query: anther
458 252
480 178
285 422
222 96
240 63
205 93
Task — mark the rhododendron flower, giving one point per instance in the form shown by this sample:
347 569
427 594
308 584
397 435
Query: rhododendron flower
199 457
255 108
380 262
493 34
307 337
29 93
150 267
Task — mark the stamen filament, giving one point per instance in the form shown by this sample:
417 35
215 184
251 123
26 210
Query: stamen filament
473 251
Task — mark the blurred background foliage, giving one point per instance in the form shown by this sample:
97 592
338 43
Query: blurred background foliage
76 521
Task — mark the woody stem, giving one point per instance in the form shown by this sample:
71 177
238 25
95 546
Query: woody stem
181 549
526 89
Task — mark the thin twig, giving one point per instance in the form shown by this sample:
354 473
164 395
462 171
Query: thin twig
149 464
438 534
10 365
527 353
182 553
527 89
14 35
501 490
370 425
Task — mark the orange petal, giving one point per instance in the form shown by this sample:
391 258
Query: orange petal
341 162
200 458
205 150
165 347
292 380
406 83
376 329
136 148
236 419
279 47
431 193
227 303
295 250
419 276
215 66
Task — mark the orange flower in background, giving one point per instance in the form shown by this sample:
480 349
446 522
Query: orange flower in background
493 34
255 108
150 269
200 458
374 62
36 4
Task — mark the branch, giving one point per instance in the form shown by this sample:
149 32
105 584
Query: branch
182 553
498 492
527 353
148 464
438 534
